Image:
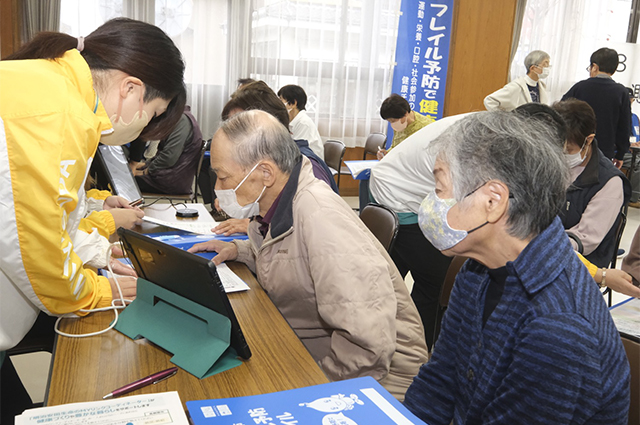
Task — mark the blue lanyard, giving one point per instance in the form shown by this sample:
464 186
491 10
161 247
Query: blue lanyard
95 108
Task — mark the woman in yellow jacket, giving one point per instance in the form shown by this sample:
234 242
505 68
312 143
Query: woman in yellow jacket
59 97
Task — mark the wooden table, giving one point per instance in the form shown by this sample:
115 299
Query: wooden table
85 369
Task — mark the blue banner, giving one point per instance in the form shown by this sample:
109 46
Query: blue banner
422 55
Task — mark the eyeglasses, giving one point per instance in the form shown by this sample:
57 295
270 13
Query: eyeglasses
589 68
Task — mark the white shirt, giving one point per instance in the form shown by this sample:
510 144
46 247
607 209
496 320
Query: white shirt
303 128
404 177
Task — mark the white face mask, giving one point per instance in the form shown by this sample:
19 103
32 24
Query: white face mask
575 159
229 201
545 73
398 125
123 132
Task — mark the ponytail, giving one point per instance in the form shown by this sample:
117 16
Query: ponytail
45 45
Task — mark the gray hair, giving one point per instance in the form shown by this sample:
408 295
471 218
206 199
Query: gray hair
521 152
535 58
257 135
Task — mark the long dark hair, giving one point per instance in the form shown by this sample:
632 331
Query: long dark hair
136 48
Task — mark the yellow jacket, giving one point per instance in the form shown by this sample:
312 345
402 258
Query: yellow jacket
91 241
50 125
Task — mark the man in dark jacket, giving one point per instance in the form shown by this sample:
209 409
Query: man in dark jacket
610 102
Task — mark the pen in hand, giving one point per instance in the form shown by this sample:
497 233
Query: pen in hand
151 379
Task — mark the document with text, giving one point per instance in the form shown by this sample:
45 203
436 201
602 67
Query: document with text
145 409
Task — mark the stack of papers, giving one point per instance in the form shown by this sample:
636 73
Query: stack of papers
361 170
160 408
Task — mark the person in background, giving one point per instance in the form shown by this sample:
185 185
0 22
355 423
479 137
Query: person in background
328 275
599 190
634 142
396 110
529 88
59 97
526 331
301 125
610 103
257 95
172 169
400 181
614 279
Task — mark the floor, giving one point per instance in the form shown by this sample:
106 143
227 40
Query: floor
34 368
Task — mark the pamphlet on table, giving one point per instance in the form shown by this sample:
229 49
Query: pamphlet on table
361 170
359 401
144 409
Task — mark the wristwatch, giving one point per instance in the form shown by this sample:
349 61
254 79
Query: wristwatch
603 282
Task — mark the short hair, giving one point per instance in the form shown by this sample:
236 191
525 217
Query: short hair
579 117
292 93
257 135
133 47
535 58
545 113
257 95
516 150
394 107
606 59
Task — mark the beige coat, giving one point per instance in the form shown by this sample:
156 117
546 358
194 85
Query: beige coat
336 286
514 94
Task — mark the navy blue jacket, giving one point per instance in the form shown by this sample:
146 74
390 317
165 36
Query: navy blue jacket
548 354
610 102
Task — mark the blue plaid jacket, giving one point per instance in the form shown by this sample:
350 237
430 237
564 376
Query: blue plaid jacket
548 354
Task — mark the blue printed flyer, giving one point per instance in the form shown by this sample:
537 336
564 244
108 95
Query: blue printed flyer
360 401
185 240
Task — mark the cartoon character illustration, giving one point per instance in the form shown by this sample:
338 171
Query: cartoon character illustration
339 419
335 403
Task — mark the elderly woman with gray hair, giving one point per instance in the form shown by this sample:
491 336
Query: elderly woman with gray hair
526 329
525 89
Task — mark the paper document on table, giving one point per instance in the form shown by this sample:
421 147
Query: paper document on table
230 280
199 227
145 409
626 316
358 401
361 170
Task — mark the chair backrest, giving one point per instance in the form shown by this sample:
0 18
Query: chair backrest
333 154
374 142
632 347
622 223
445 291
383 223
203 150
619 231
